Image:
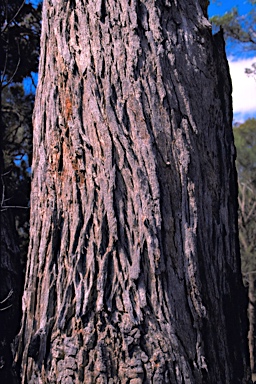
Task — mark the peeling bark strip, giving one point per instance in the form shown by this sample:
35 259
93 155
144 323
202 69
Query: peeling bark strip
133 269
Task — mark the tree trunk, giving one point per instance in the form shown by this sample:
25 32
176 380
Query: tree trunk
251 317
133 271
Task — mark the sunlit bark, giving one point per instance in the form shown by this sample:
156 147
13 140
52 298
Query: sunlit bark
133 270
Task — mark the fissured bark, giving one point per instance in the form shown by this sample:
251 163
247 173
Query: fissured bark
133 269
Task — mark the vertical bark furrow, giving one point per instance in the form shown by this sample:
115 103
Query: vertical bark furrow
132 179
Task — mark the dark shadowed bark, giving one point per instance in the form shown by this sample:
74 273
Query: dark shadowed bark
10 295
133 269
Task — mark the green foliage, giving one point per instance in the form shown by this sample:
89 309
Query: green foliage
252 70
245 140
238 28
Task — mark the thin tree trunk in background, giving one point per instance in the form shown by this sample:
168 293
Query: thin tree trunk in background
251 317
133 271
246 226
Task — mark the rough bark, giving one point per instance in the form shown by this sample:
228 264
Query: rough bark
133 269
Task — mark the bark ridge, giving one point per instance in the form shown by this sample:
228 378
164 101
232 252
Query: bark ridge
133 262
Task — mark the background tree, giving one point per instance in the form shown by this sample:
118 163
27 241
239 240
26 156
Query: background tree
239 29
133 263
19 48
245 139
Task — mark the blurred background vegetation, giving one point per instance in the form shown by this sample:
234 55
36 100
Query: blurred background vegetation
20 25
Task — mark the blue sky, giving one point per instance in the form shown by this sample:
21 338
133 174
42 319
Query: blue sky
244 87
218 7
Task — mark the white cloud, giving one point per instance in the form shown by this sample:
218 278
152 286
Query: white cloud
244 89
